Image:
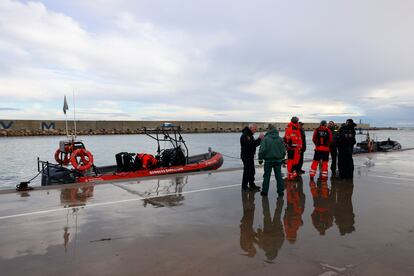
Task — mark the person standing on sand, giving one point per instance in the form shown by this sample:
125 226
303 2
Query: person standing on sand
322 138
302 151
346 142
333 148
248 150
272 151
293 141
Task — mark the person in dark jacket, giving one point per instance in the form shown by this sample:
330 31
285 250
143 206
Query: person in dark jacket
333 148
272 151
346 142
248 150
302 152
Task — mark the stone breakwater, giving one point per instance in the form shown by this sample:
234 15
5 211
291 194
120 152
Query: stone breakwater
57 127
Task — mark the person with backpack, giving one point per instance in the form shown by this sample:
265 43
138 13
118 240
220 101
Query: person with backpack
322 138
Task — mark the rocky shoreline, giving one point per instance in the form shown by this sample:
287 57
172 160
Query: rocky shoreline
62 132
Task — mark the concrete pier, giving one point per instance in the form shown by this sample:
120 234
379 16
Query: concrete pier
57 127
203 224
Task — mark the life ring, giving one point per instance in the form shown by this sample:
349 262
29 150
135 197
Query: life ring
58 157
85 162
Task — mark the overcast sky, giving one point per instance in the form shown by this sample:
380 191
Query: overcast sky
209 60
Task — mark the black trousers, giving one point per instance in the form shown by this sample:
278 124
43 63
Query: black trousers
345 162
248 172
300 164
334 157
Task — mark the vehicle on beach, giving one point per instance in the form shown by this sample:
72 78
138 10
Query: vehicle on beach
370 145
74 163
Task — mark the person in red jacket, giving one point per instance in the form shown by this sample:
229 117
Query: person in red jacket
293 141
322 138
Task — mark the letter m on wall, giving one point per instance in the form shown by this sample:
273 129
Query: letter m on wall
50 126
4 125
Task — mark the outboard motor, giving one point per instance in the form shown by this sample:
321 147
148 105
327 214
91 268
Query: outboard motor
52 175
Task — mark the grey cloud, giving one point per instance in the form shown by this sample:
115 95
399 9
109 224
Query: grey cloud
404 105
9 109
112 114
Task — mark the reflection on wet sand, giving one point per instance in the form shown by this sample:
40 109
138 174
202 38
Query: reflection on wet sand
294 209
343 211
329 205
77 196
322 215
173 189
334 203
66 229
73 198
247 234
272 236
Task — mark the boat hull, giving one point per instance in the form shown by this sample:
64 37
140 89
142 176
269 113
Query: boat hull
212 163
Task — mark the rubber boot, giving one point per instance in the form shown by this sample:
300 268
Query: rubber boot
324 174
313 169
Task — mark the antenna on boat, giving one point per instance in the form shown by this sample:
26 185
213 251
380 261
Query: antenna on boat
74 113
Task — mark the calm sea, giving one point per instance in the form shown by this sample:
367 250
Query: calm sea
18 155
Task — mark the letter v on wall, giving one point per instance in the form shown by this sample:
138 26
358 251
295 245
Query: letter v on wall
5 125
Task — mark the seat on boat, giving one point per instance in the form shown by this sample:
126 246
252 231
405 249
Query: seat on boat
125 162
173 157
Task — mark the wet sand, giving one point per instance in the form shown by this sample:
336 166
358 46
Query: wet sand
204 225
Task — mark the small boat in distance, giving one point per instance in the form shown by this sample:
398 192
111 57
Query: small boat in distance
370 145
74 163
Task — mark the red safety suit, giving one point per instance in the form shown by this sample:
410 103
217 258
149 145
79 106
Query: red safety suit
322 138
293 141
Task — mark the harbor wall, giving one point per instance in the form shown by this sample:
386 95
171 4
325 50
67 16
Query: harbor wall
57 127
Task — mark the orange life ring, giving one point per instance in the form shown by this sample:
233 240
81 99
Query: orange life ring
58 157
85 162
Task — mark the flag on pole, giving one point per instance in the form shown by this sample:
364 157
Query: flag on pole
65 105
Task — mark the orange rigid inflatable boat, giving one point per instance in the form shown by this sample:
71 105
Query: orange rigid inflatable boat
75 164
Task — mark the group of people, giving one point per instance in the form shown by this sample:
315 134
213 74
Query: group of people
329 140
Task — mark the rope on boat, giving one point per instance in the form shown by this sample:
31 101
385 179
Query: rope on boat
238 158
24 185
